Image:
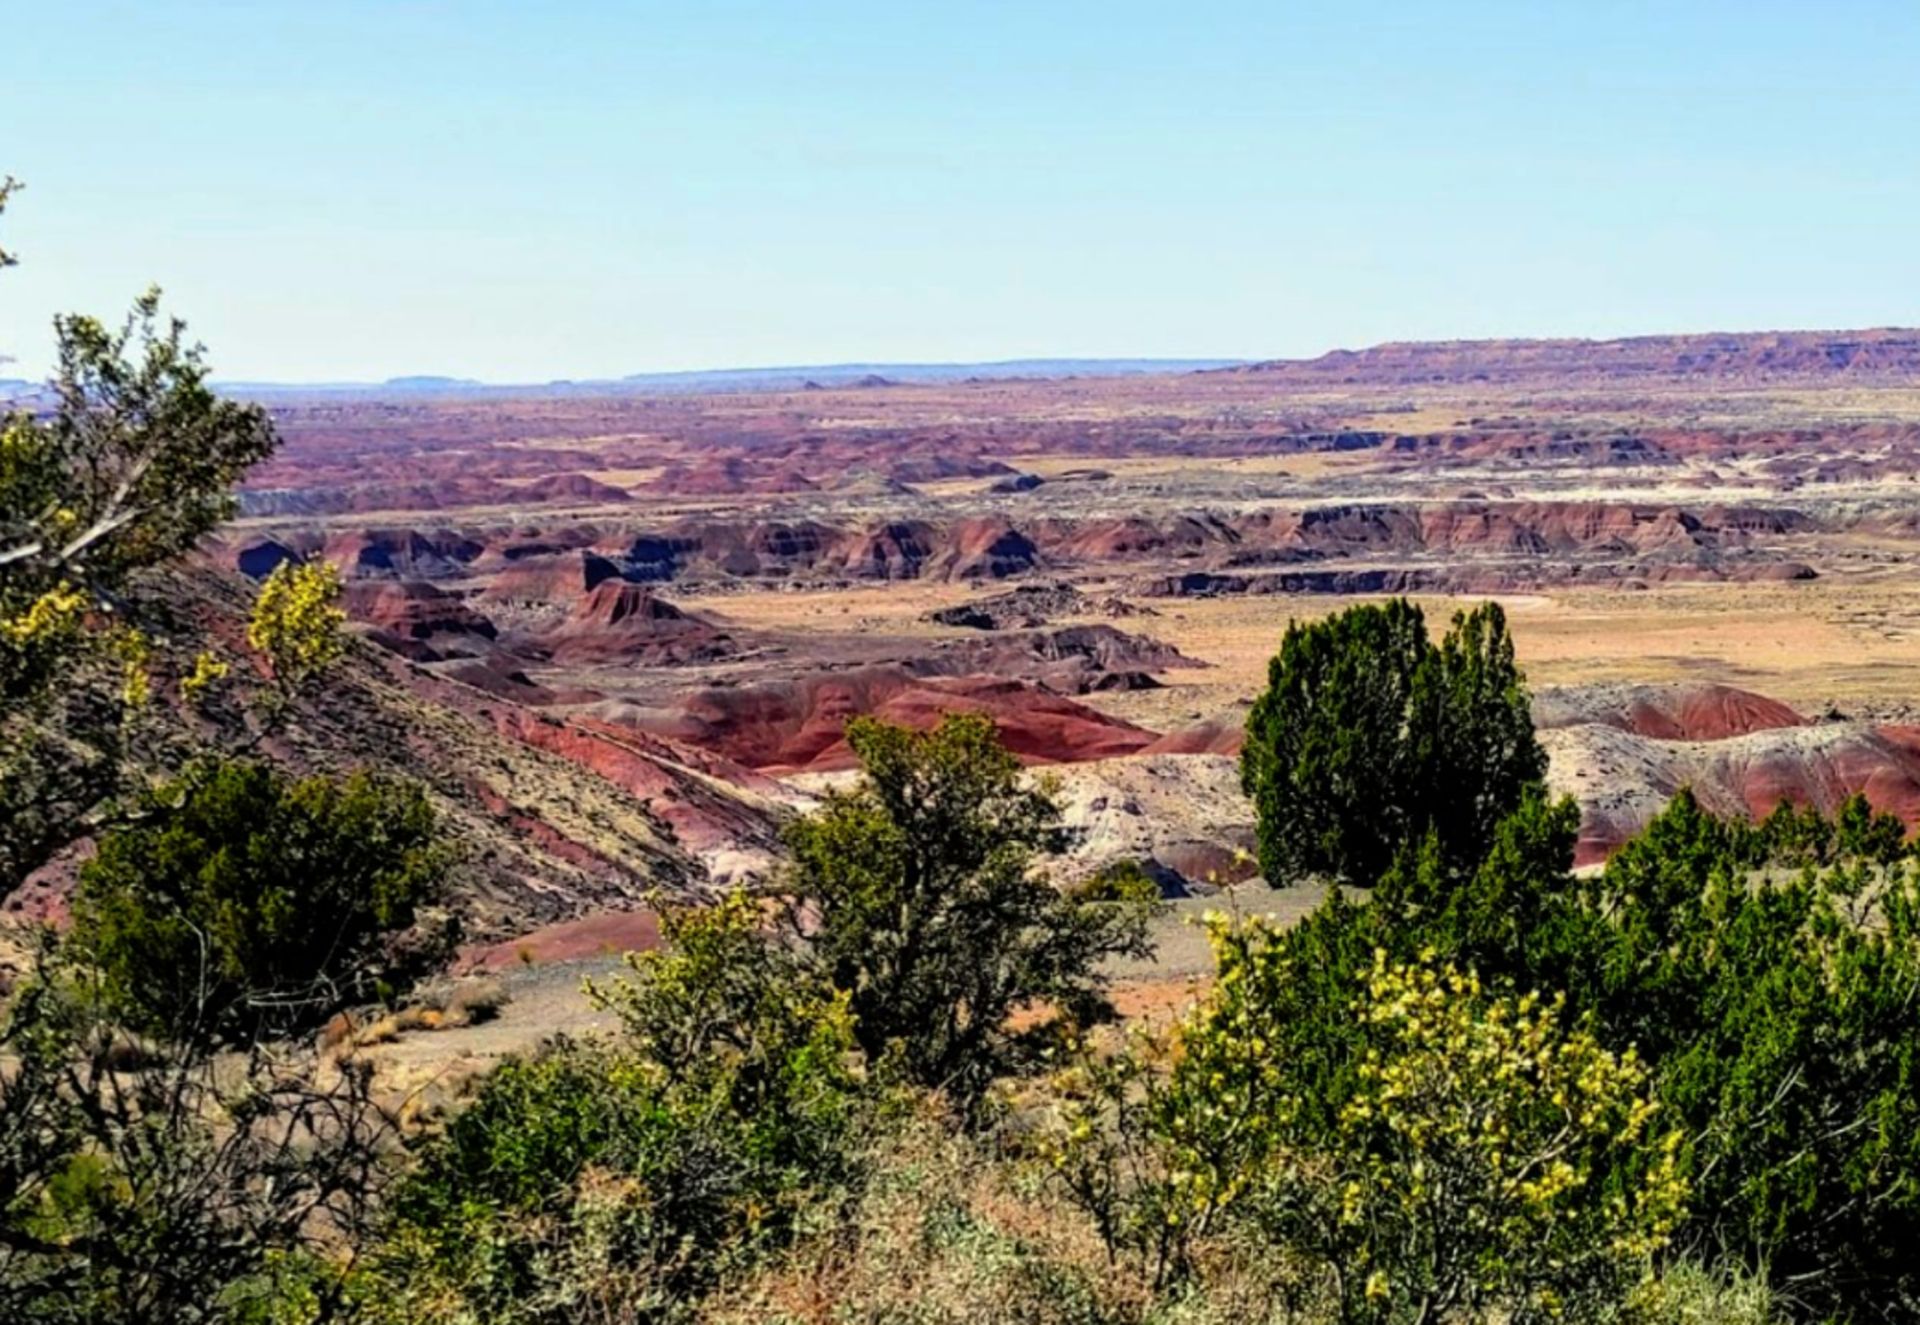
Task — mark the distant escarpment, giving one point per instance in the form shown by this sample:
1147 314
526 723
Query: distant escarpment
1875 355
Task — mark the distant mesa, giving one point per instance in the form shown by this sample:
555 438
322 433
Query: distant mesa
1880 354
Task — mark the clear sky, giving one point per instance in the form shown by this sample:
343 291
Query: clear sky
532 189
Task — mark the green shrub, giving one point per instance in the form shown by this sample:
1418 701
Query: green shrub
1770 978
621 1181
249 901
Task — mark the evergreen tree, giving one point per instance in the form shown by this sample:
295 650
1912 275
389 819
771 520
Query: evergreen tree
1369 739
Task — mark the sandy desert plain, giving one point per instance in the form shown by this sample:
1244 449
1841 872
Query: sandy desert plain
620 632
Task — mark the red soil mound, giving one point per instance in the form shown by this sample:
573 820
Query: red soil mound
800 724
729 476
415 618
675 784
570 487
571 940
1623 779
893 551
1881 763
1687 712
550 580
984 549
1220 736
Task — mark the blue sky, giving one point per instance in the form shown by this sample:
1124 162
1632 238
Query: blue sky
519 191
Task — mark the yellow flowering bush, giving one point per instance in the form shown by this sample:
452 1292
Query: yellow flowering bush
208 671
1449 1153
37 632
296 622
1489 1157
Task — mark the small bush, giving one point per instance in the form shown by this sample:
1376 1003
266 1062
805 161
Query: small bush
246 901
621 1181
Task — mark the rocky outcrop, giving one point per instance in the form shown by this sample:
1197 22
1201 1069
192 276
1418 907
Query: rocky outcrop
618 621
1471 578
1074 660
1181 817
1030 605
416 618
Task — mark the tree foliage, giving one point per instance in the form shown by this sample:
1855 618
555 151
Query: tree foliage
296 622
132 464
255 903
919 898
1369 738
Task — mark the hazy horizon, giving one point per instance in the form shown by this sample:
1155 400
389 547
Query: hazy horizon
590 191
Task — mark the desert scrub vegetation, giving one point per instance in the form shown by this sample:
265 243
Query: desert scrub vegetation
249 903
1481 1160
621 1180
